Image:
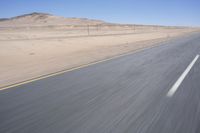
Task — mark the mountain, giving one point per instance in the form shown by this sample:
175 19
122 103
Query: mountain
44 19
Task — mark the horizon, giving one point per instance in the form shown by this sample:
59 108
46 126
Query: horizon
170 13
92 19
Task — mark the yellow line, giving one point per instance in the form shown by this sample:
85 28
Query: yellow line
72 69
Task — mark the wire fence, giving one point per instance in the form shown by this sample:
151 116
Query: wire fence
92 30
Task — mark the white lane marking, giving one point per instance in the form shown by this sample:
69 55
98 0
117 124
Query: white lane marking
181 78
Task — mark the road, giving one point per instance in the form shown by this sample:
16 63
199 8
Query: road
128 94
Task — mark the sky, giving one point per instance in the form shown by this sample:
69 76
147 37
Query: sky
151 12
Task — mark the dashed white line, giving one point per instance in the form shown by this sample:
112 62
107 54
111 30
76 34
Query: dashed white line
181 78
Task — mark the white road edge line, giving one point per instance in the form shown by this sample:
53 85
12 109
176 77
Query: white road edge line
181 78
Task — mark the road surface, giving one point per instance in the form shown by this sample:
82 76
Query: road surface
156 90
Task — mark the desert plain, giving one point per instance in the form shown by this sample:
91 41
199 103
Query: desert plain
38 44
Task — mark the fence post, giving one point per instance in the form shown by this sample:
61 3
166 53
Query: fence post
97 27
88 29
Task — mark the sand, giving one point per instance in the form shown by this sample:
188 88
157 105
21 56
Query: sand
27 53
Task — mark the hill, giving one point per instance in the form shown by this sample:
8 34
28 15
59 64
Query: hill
44 19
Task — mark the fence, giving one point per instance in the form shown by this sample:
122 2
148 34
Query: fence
91 30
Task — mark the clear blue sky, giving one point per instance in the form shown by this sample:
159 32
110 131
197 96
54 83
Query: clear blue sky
163 12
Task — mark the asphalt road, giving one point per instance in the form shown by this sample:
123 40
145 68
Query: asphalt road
123 95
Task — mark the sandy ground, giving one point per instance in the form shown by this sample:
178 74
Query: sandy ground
36 44
24 55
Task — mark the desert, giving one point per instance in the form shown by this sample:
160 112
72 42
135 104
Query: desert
38 44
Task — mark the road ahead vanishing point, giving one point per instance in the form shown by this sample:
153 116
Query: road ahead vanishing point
156 90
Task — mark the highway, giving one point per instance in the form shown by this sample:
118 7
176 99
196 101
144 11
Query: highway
156 90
